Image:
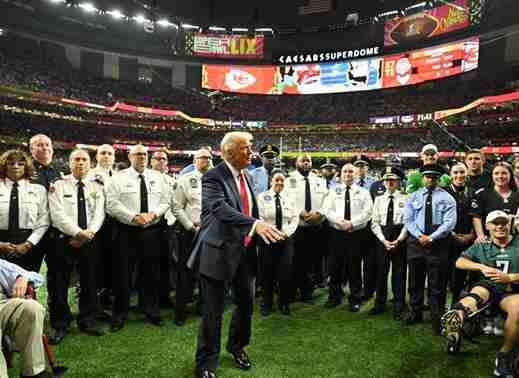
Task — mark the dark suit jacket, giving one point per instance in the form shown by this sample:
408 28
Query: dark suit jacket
219 247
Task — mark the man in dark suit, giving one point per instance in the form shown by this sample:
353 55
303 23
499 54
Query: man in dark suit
225 252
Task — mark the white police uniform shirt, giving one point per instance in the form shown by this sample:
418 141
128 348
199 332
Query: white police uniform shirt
33 208
123 195
188 196
101 174
63 205
361 206
295 187
170 214
267 210
379 217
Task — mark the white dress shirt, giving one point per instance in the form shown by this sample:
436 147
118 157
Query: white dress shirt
123 195
101 174
33 208
171 213
267 210
63 204
361 206
295 186
188 196
379 217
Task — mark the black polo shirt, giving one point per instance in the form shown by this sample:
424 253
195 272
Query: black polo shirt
475 183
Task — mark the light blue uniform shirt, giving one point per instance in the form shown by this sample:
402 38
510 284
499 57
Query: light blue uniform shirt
366 183
443 214
8 274
260 180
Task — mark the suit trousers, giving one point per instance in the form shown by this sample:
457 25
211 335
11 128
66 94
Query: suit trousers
430 262
397 260
142 247
62 261
185 280
276 265
346 250
213 293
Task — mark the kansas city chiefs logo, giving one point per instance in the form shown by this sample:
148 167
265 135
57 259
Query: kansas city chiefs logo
237 79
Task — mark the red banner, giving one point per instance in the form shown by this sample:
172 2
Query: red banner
239 79
430 64
445 19
228 46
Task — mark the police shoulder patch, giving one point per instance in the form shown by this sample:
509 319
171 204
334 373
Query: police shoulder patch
267 198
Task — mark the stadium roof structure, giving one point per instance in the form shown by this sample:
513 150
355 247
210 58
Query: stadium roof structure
267 13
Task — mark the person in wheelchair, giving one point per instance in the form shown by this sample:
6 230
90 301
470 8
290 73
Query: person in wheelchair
497 264
21 319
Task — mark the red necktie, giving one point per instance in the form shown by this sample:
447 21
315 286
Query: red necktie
244 195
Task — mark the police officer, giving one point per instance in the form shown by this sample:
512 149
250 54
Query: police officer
278 209
137 198
369 261
24 214
348 209
308 191
159 163
188 196
261 176
387 225
46 172
104 170
77 208
328 172
430 217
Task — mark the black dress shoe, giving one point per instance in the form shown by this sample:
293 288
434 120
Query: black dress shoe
377 310
91 329
265 310
411 318
354 307
284 309
179 320
117 325
58 336
204 373
241 360
155 320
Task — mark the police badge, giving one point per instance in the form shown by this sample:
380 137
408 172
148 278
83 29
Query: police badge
193 182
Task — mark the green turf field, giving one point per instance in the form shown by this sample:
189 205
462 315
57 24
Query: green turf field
313 342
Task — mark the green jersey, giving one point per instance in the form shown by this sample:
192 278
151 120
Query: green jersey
505 259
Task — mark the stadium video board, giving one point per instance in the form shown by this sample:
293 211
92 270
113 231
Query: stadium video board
390 71
225 46
452 16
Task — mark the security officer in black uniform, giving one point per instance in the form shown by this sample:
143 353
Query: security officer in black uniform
430 217
45 173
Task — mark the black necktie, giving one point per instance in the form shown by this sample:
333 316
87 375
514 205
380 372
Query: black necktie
144 195
81 206
428 214
308 197
347 208
279 213
389 219
110 173
14 209
362 182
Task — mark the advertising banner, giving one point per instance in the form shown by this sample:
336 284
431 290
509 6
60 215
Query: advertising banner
408 68
431 63
430 23
228 46
328 56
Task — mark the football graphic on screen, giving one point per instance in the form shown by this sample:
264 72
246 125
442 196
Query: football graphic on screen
414 28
